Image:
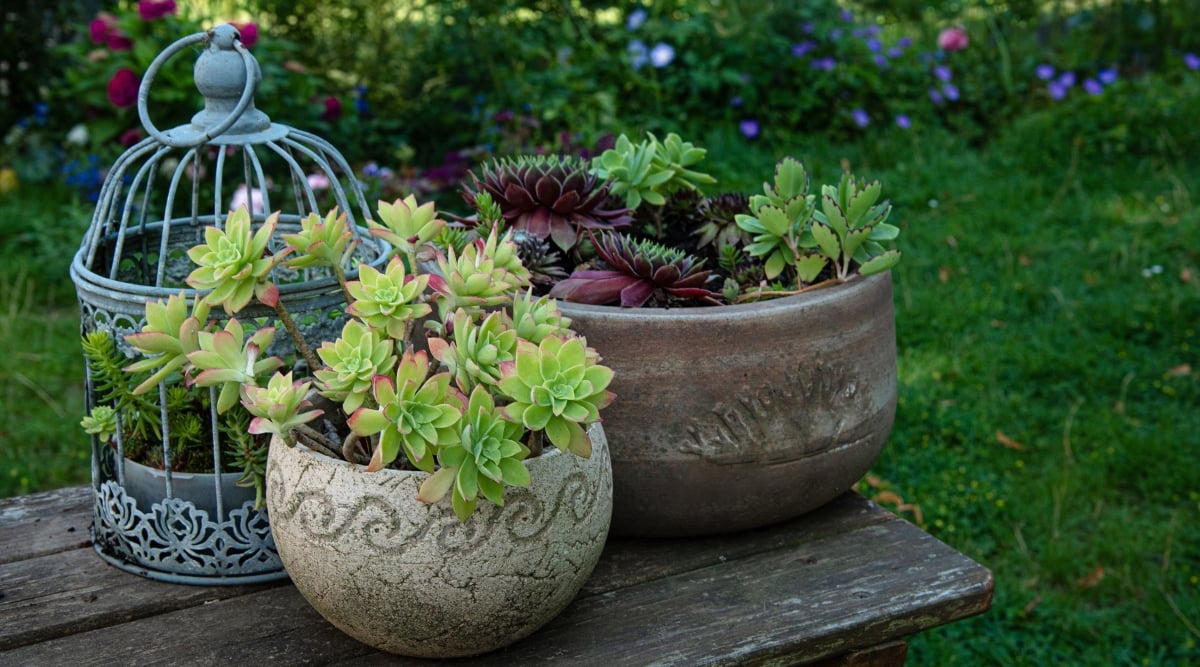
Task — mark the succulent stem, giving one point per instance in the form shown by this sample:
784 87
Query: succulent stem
294 332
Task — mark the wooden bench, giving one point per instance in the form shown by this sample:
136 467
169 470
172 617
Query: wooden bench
842 586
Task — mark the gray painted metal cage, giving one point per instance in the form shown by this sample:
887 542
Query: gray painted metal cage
155 202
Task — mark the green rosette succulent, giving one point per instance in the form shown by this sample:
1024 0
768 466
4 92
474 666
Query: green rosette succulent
388 301
484 275
101 422
406 224
352 362
556 386
475 355
535 319
277 407
416 413
326 242
234 264
486 457
229 360
169 335
649 170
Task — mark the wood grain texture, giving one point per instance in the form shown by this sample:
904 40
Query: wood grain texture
44 523
74 591
840 581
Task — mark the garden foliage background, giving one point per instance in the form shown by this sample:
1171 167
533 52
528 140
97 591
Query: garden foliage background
1040 157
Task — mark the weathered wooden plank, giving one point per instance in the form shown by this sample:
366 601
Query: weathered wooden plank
74 591
43 523
891 654
627 562
822 597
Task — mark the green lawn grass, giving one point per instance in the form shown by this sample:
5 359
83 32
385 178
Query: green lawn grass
1047 309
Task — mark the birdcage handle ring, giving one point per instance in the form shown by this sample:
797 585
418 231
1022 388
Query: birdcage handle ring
247 98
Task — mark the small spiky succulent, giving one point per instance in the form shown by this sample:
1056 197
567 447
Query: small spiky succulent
640 269
552 197
539 257
717 223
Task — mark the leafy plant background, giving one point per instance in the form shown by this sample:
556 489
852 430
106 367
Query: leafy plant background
1047 305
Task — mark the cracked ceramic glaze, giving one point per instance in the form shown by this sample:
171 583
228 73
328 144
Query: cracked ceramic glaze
410 578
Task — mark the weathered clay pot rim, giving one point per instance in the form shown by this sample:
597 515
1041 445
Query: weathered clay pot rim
766 307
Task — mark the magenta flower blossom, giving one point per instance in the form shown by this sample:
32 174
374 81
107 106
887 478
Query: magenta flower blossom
750 128
1045 72
100 26
333 108
953 39
1092 86
248 32
904 122
151 10
662 54
860 117
1191 60
123 88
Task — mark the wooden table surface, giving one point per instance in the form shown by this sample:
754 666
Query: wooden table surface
847 577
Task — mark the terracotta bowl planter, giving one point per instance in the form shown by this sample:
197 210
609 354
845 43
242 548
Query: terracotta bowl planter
410 578
735 417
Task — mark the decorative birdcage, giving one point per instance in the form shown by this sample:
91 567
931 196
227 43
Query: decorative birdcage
155 203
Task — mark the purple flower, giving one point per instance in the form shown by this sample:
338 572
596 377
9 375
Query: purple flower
881 61
874 45
904 42
935 96
737 101
860 117
808 28
1191 60
828 64
903 121
1067 79
1108 76
835 34
803 48
635 19
1093 87
942 72
874 30
662 54
1045 72
950 91
638 54
895 52
847 15
1056 89
750 128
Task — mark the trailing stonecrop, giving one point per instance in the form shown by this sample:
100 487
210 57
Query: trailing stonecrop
680 247
446 364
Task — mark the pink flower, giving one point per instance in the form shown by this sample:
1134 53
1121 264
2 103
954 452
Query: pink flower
244 196
318 181
248 32
123 88
150 10
953 39
101 26
333 109
103 30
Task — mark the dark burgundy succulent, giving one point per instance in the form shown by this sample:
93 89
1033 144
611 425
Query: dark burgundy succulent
640 269
548 196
